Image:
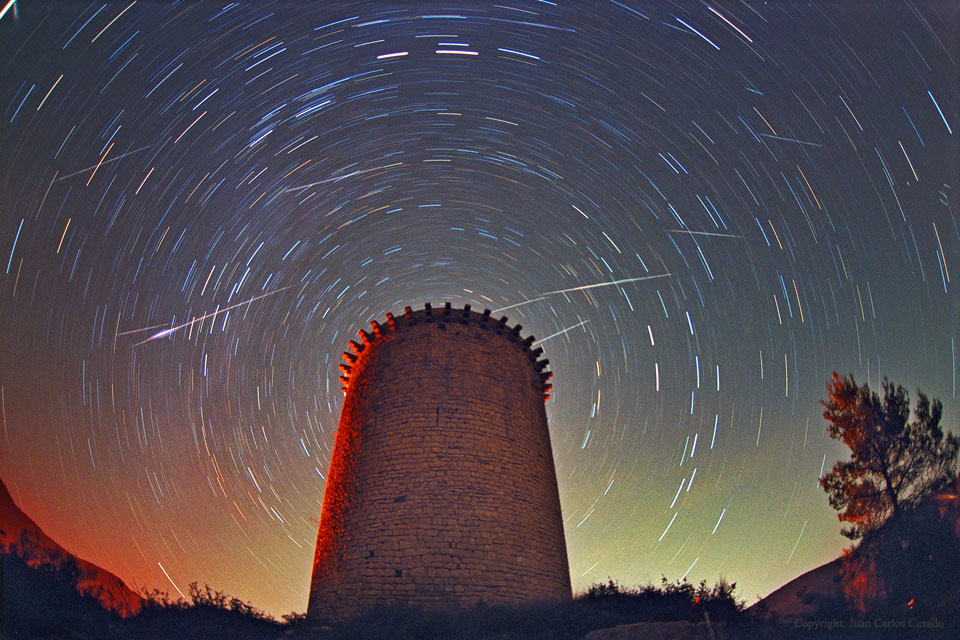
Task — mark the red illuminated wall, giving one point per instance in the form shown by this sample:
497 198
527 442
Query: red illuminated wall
441 490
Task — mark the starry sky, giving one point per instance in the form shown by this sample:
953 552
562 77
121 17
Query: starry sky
702 208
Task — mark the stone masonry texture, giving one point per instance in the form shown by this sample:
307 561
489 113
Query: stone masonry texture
441 492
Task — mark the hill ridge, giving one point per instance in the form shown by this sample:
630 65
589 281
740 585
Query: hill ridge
19 533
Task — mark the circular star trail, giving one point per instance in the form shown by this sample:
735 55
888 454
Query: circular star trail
701 209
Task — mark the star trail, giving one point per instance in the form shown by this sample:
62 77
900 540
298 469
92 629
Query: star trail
701 209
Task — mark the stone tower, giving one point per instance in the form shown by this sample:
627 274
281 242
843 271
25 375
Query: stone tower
441 491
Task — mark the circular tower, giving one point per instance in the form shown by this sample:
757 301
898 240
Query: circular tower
441 491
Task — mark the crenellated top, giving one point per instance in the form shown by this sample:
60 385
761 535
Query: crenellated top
447 315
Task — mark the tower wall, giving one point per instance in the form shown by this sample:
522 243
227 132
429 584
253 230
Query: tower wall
441 491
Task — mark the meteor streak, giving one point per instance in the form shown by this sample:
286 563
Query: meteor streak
113 159
171 580
519 304
608 284
7 7
582 288
560 333
705 233
339 178
167 332
812 144
150 328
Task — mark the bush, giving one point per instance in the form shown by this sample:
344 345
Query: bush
209 613
602 605
679 600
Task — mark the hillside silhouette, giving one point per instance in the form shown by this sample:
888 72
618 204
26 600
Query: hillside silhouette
20 535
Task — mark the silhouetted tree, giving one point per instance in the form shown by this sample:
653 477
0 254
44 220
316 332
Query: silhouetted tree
894 462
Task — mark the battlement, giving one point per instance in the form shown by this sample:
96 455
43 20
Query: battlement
442 317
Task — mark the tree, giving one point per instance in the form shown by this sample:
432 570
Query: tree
894 462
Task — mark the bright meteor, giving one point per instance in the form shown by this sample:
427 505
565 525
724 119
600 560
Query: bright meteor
610 283
712 234
212 314
561 332
111 160
7 7
339 178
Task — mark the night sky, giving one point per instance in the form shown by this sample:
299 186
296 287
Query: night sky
702 209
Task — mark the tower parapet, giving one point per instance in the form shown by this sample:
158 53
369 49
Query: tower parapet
447 315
